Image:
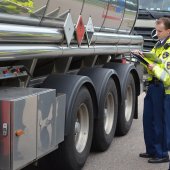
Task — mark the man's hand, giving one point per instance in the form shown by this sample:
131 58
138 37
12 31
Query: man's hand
151 66
138 52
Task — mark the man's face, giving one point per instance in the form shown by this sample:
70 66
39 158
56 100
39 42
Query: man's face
161 32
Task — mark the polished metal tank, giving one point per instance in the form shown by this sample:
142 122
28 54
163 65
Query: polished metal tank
38 31
107 15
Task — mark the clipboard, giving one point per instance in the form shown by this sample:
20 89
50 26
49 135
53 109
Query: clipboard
140 59
152 57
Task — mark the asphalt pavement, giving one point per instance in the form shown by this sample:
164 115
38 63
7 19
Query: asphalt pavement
123 153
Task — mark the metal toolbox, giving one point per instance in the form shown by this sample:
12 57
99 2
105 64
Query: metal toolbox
28 121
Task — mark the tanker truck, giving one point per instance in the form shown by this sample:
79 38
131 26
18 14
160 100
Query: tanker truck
67 81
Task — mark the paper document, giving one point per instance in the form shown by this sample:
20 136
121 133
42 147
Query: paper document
152 57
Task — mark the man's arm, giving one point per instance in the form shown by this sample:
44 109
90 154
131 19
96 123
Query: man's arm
162 71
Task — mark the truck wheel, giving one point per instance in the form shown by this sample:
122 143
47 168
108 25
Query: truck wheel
77 144
126 113
104 128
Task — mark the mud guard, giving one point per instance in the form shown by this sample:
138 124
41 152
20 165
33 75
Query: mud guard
70 85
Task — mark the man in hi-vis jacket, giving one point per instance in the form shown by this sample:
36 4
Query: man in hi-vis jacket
156 114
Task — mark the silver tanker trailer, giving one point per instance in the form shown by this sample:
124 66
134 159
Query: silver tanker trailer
66 84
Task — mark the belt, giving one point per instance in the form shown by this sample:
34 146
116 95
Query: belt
167 88
155 81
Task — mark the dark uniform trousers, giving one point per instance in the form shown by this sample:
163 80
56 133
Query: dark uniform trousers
154 121
167 119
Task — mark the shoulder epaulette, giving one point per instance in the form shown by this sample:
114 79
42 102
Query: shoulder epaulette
166 46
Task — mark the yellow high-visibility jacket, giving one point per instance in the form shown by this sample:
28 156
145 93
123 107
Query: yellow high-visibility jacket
162 71
16 6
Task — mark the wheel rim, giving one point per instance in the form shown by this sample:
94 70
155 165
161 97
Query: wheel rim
81 128
128 103
109 113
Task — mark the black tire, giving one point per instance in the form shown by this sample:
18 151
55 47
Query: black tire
70 157
103 134
127 109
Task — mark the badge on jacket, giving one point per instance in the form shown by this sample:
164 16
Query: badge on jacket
165 55
168 65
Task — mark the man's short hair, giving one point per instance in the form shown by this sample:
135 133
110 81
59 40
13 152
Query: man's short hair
165 21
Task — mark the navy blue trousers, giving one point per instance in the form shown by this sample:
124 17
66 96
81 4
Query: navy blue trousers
154 121
167 118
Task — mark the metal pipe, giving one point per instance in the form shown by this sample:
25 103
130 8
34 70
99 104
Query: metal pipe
32 21
101 38
110 38
127 49
25 52
33 34
136 39
78 51
22 33
100 50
